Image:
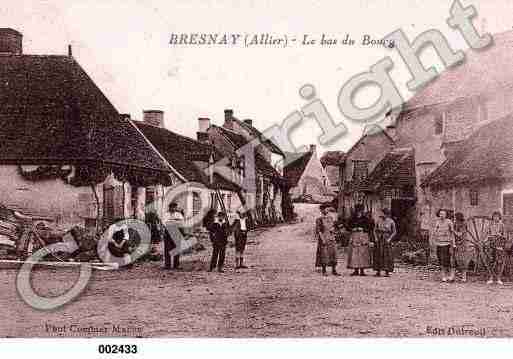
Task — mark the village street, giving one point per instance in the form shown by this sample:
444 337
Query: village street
279 295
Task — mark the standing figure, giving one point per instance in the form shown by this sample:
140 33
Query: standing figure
359 256
494 247
326 241
423 234
174 217
464 251
384 232
443 237
240 232
220 230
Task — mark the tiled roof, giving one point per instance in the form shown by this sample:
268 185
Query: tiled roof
482 72
52 112
332 158
486 155
295 167
189 157
239 141
257 134
396 169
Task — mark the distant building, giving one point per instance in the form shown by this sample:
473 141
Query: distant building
331 162
306 177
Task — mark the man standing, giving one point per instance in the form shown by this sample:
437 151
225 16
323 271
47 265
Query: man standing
240 232
219 231
174 218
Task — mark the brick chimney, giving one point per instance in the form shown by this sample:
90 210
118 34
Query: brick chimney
11 42
391 130
154 117
228 119
248 121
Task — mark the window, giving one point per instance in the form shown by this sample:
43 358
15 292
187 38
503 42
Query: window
113 203
439 124
360 170
196 203
474 197
133 200
507 204
150 195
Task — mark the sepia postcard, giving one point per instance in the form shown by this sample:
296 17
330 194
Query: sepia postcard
254 170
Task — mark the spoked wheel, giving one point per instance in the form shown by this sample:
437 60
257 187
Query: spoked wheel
477 227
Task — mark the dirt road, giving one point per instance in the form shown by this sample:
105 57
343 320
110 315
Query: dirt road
280 295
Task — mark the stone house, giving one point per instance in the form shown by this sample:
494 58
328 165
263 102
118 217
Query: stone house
436 122
478 179
262 180
193 160
360 161
440 117
65 151
306 176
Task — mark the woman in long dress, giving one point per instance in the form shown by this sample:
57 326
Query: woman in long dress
384 231
359 255
464 251
326 243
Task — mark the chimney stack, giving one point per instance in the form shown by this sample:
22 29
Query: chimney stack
228 118
391 131
154 117
70 51
11 42
203 124
313 148
248 121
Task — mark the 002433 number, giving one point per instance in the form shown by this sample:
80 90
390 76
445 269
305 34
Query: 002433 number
117 349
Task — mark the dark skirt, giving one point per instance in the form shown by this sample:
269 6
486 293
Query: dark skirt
358 251
326 254
444 255
383 258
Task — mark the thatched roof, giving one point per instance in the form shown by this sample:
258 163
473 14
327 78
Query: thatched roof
51 112
487 155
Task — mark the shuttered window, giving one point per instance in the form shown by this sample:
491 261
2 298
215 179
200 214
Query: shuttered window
196 203
474 197
507 204
113 203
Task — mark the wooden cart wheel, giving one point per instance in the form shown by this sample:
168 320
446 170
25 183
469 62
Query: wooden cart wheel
477 227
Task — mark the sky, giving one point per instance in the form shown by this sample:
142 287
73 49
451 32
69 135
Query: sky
124 46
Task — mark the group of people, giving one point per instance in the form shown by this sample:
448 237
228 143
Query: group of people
219 230
455 248
369 244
